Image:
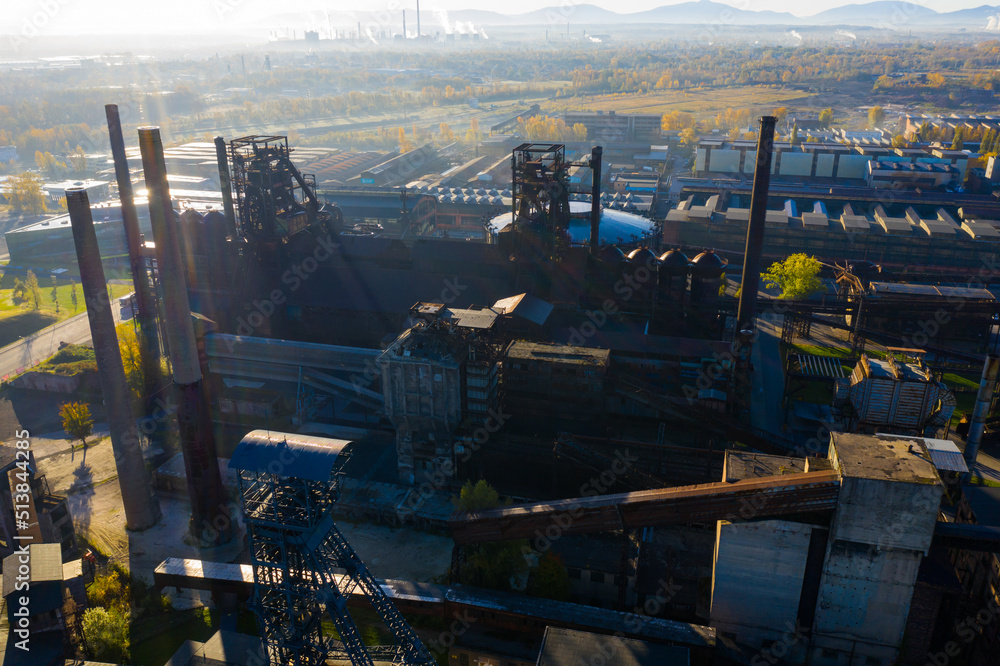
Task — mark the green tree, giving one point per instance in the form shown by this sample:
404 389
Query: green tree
18 294
550 579
493 565
795 135
106 634
478 496
826 117
797 276
32 290
77 421
876 115
54 294
958 143
24 194
72 294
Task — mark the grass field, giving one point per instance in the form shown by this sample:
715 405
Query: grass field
699 102
19 320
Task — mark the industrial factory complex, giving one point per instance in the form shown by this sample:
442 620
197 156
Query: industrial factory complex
714 474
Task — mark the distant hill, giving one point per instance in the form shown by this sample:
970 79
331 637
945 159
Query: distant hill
891 14
881 14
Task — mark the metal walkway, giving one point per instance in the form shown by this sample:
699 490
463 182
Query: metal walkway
303 363
784 495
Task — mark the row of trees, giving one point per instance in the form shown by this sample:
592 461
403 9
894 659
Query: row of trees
544 128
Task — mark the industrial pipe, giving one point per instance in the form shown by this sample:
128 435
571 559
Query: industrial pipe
226 185
211 522
984 399
141 508
595 199
746 313
145 306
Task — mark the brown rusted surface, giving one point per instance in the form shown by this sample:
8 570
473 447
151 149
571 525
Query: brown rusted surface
743 500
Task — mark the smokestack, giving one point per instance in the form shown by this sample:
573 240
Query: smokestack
418 19
746 314
404 24
145 307
595 199
141 508
225 184
211 521
984 399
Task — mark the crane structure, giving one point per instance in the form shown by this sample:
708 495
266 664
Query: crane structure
289 485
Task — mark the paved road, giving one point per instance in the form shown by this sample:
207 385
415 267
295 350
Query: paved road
33 349
768 378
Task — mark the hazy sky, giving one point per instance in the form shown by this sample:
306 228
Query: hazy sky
197 16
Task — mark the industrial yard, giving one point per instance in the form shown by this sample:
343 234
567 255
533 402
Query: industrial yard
427 337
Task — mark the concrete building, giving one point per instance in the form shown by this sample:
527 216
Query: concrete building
831 590
882 528
97 190
842 163
613 126
554 382
439 375
840 223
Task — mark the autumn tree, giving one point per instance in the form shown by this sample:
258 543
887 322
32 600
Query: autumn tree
797 276
958 143
24 194
106 634
899 141
72 295
54 294
33 293
78 160
780 113
688 137
580 132
77 421
826 117
876 115
550 580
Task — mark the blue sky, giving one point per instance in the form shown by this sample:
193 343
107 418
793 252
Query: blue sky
198 16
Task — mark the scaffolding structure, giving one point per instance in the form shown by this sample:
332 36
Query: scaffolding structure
273 199
289 485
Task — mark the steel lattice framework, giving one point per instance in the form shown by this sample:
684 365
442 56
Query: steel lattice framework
289 487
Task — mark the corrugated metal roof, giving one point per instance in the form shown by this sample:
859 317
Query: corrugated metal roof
527 306
945 455
288 455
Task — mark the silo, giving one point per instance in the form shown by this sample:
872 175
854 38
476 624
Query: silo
642 270
671 278
707 273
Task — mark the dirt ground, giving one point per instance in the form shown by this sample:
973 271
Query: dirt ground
90 483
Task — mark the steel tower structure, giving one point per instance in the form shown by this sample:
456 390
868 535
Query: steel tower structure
289 485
